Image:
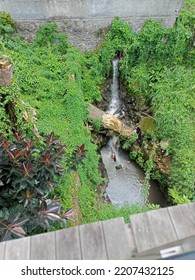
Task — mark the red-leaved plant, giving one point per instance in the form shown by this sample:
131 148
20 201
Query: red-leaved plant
27 172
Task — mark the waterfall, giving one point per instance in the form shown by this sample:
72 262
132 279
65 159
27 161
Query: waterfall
114 107
115 100
125 177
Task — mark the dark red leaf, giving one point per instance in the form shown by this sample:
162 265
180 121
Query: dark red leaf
27 154
29 144
18 153
11 155
26 167
5 222
50 138
5 144
46 158
81 149
60 150
69 215
18 135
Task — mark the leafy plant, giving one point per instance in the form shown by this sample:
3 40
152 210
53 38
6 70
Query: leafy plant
177 199
27 172
7 25
49 35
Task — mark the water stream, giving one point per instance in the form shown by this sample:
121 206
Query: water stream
125 177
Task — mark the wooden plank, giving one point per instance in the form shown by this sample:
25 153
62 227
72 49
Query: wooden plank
192 208
188 244
131 239
142 232
161 227
152 229
116 238
68 244
43 246
2 250
183 221
18 249
92 242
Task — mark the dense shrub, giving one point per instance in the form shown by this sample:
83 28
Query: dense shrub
27 173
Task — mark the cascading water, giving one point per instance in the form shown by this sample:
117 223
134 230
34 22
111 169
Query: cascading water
115 100
125 177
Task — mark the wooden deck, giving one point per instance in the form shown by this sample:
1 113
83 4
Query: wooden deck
149 235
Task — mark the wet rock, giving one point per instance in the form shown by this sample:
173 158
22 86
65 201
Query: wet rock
118 167
106 96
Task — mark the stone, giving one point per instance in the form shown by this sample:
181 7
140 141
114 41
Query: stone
118 167
164 144
147 124
6 72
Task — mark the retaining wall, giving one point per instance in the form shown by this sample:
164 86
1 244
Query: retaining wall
81 19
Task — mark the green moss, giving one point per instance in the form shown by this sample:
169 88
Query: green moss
147 124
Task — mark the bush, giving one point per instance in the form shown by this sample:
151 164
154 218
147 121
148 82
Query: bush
27 172
49 35
7 25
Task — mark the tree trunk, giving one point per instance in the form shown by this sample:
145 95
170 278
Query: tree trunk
110 121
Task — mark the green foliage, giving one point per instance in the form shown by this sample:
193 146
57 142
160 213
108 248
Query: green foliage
12 110
8 36
182 172
108 211
188 6
130 141
153 206
49 35
46 35
176 198
97 124
117 40
7 25
139 80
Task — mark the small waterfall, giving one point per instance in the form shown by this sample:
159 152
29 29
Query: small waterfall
123 186
126 179
115 102
114 107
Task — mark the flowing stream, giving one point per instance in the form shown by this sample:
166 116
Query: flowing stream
125 177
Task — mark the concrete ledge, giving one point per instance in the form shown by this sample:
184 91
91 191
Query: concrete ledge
36 9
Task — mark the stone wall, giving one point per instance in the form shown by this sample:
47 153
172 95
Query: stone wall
82 19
